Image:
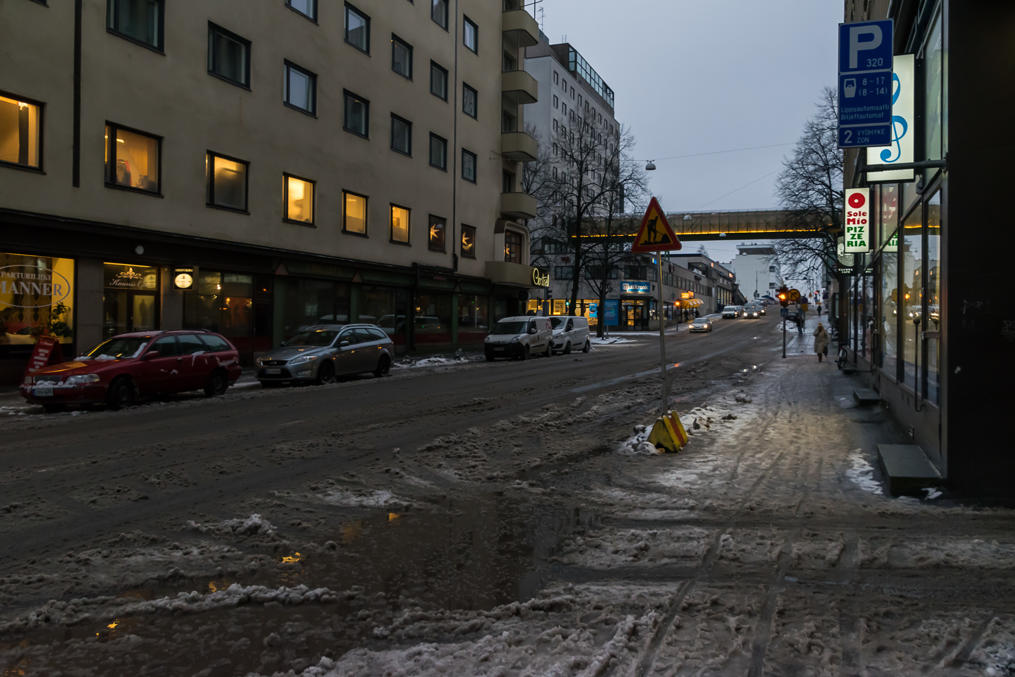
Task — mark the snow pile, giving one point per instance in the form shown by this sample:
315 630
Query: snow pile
460 357
862 473
381 498
255 524
610 341
638 443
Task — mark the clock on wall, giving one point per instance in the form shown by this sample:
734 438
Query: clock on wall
183 278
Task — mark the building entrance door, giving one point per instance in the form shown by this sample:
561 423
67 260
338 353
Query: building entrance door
129 299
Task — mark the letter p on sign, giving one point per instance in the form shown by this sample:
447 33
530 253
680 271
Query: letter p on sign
863 38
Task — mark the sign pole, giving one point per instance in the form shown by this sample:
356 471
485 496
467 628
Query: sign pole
662 339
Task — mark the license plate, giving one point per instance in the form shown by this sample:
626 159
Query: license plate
45 390
272 370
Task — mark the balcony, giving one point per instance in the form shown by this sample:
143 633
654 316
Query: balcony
518 147
519 87
503 272
520 28
518 205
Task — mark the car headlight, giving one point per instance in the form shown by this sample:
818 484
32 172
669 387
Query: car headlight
515 340
302 359
82 379
259 362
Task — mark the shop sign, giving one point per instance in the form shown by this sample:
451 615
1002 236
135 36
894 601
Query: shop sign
902 139
183 278
130 279
628 287
856 224
46 286
844 258
540 280
44 350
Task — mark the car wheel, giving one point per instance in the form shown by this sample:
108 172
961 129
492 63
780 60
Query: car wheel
587 347
326 373
489 357
549 350
53 408
120 393
383 366
217 383
525 353
567 348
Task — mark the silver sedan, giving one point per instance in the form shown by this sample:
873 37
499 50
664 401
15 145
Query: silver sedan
323 352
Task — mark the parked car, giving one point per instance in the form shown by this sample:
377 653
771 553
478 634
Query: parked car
570 331
137 365
323 352
700 324
732 312
519 337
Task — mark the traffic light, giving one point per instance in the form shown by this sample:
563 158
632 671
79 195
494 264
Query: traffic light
783 296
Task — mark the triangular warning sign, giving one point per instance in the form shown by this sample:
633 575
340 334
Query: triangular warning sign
655 234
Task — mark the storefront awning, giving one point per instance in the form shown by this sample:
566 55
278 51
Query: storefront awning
691 303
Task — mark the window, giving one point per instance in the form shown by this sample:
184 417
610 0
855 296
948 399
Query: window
228 56
300 89
227 181
471 35
354 213
556 125
401 135
563 272
439 12
401 57
297 199
136 20
357 28
307 8
556 101
399 224
133 159
438 152
468 166
512 246
468 242
469 100
438 81
21 132
357 115
436 234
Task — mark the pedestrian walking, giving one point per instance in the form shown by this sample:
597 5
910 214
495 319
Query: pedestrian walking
800 324
819 310
820 341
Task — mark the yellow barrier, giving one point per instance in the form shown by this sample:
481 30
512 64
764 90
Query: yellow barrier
668 433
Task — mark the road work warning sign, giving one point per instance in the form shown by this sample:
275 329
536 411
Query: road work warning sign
655 234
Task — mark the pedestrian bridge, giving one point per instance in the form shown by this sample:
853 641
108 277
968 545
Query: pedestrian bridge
737 225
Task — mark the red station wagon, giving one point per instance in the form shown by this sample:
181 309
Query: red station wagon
129 367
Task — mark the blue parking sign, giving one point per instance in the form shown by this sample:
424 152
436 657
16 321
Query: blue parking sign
865 83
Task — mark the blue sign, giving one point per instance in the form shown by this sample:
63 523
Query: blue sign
865 83
628 287
612 312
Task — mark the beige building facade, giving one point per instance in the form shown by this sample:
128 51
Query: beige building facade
300 161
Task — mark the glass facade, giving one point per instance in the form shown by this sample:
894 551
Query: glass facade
130 298
432 322
473 322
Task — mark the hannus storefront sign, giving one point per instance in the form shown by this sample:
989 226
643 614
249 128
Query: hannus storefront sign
26 286
856 223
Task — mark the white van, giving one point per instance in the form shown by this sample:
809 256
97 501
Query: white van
570 332
519 337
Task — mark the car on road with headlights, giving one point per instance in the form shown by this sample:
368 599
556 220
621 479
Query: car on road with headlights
700 324
322 353
732 312
134 366
753 312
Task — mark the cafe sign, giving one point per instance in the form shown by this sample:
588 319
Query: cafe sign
540 280
856 224
24 286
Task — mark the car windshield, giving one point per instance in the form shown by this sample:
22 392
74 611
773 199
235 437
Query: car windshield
119 348
314 337
510 327
556 322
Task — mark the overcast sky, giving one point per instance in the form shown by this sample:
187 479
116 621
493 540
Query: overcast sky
691 78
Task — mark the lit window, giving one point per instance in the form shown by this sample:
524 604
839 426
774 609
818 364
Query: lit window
307 8
401 57
228 56
357 28
471 35
300 88
132 159
227 181
298 199
439 13
468 166
20 132
436 234
438 152
438 81
137 20
469 100
357 115
512 246
354 217
399 224
468 242
401 135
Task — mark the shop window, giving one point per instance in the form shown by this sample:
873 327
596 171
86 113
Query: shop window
910 292
401 57
435 239
132 159
227 181
354 215
228 56
439 13
357 28
129 298
300 89
473 321
470 99
438 152
36 297
399 224
307 8
468 242
139 21
401 135
470 35
388 308
20 132
310 301
932 317
298 199
438 81
432 320
468 165
357 115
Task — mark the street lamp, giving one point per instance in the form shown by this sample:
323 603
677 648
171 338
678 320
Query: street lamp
650 166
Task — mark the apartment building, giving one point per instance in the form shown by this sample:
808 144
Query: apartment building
757 270
253 167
